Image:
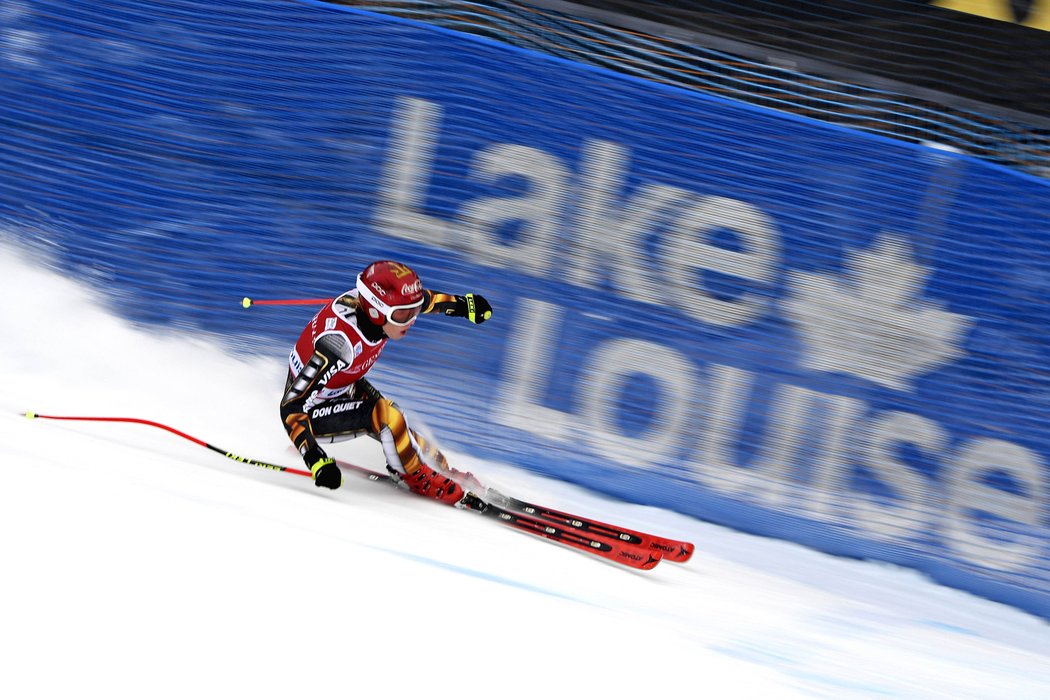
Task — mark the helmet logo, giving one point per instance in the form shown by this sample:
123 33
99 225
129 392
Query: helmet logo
400 270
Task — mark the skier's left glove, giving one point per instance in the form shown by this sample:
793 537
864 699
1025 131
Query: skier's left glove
474 307
326 474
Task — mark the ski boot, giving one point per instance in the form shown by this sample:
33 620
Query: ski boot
427 482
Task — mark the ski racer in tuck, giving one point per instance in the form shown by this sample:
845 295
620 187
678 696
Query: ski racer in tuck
327 398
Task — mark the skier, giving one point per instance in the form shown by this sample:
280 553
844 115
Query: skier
327 399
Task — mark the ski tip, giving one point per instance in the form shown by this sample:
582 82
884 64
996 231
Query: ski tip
673 550
684 552
246 302
651 562
29 414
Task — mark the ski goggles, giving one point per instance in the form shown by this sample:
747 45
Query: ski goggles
404 315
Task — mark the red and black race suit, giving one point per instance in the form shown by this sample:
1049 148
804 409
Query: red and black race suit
326 397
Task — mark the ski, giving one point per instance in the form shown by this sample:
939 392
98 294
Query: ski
629 547
672 550
625 553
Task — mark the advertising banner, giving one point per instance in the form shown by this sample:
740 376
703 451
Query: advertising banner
756 319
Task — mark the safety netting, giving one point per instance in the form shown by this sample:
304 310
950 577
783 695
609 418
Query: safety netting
847 63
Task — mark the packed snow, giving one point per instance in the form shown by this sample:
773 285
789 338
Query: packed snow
137 564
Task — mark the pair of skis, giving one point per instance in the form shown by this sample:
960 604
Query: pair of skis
638 550
632 548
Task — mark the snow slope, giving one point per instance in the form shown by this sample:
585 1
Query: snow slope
137 564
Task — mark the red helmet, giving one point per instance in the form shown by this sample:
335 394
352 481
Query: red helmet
390 292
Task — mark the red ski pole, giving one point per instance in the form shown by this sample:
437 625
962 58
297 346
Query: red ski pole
154 424
248 302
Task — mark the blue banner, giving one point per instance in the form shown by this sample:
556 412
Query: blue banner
787 327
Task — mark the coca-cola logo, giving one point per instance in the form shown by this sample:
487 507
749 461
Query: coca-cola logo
413 288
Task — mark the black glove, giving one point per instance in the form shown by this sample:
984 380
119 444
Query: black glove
474 307
326 473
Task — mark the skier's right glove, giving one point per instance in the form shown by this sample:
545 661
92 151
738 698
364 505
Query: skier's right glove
473 307
326 474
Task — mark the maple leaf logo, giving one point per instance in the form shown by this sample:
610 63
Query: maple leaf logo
873 324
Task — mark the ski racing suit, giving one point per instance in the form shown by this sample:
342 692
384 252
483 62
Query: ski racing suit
327 399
